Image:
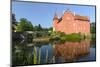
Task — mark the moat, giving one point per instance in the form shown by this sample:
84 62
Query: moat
29 53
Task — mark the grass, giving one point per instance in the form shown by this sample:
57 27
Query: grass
62 37
72 37
41 39
67 37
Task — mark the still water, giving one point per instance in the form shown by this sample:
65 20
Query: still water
24 53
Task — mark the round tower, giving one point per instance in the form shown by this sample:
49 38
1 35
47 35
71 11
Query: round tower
55 21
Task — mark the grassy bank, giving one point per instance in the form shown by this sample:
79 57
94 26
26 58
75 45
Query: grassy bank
62 37
41 39
67 37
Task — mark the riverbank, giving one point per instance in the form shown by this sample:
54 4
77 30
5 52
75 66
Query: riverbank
41 39
67 37
61 37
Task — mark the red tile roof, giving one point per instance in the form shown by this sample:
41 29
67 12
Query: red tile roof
84 18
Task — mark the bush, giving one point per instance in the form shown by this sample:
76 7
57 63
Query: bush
66 37
73 37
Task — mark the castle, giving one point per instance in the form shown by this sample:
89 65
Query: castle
71 23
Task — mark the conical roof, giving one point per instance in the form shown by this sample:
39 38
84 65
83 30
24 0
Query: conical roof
55 17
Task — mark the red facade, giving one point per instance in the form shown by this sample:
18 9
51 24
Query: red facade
71 23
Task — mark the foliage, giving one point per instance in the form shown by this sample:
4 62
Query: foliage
14 19
73 37
66 37
93 37
14 22
93 28
24 25
37 28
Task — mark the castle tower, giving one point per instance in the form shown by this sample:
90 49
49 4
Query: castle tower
55 21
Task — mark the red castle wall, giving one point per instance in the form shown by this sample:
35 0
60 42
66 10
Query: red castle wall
70 23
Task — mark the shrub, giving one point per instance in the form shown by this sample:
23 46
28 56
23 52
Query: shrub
66 37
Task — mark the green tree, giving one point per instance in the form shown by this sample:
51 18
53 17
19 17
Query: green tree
14 22
14 19
93 27
39 27
93 30
51 29
24 25
30 26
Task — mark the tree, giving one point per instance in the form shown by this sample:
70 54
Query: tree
30 26
51 29
24 25
93 27
14 19
39 27
14 22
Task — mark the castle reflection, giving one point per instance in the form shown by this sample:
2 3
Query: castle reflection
71 51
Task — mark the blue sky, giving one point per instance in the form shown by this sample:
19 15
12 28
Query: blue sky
42 13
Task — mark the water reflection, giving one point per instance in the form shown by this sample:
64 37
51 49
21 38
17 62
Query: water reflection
24 53
71 51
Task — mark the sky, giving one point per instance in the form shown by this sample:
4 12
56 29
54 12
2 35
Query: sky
43 13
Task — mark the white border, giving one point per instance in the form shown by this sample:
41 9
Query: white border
89 2
5 33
